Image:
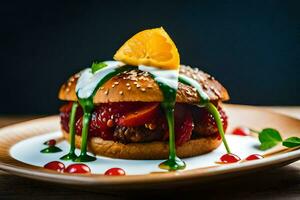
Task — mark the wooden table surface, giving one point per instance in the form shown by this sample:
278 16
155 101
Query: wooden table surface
281 183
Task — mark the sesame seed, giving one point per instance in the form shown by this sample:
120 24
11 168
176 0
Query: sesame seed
121 92
138 85
152 126
116 83
106 92
143 89
129 88
127 84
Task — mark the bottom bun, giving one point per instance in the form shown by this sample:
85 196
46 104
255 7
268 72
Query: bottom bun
147 151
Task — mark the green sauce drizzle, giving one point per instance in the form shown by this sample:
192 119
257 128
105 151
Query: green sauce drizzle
51 149
169 93
173 162
214 111
88 106
71 155
209 106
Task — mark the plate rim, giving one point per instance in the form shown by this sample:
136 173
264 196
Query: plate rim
99 179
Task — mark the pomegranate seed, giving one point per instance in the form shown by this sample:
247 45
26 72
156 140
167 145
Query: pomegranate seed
254 157
243 131
56 166
115 172
184 128
78 169
229 158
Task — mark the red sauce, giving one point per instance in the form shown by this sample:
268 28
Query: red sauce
115 172
56 166
229 158
78 169
242 131
254 157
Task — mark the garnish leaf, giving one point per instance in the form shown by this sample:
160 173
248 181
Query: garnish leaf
97 66
269 138
291 142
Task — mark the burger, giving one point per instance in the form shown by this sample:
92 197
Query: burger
128 120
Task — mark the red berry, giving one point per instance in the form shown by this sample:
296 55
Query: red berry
78 169
115 172
243 131
229 158
254 157
65 111
50 143
183 125
55 165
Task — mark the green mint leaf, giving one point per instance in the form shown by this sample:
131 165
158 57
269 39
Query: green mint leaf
291 142
97 66
267 145
269 138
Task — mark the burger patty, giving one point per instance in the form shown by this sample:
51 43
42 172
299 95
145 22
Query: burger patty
190 122
137 134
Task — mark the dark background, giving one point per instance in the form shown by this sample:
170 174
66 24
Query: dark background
252 47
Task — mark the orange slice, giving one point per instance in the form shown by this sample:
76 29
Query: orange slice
152 47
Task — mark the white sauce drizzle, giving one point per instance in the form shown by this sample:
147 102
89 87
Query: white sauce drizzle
168 77
88 81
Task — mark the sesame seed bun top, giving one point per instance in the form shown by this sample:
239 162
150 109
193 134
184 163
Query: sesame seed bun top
137 85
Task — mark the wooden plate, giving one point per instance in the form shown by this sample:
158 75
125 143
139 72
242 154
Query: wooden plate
16 162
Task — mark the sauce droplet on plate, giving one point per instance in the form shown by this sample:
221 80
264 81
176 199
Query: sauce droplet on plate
78 169
229 158
242 131
115 172
254 157
56 166
51 142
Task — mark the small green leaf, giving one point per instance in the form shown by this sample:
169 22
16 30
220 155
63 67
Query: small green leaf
97 66
291 142
269 138
267 145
